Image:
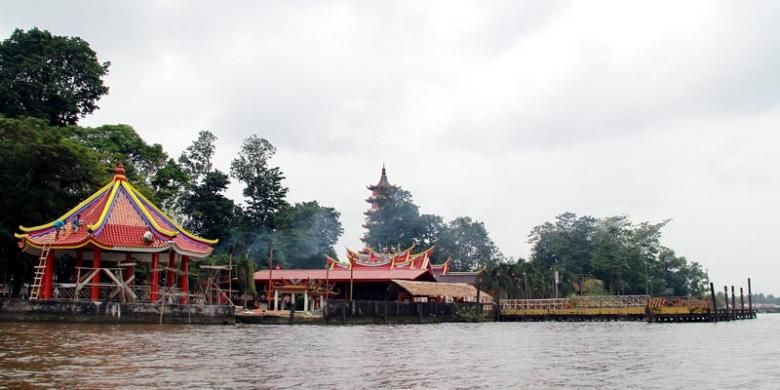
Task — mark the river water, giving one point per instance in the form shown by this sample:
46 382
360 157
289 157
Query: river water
619 355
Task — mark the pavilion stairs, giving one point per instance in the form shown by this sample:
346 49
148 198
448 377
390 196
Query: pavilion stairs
40 271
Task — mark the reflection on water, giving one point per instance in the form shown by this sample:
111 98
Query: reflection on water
743 354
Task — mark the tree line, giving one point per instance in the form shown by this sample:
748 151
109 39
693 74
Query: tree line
596 256
48 164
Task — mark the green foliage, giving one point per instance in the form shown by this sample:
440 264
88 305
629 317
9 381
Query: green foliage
307 232
148 167
467 242
468 313
515 279
196 160
49 77
264 192
43 173
626 258
205 209
208 213
395 223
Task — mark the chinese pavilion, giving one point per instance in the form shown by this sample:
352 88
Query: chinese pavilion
115 239
365 275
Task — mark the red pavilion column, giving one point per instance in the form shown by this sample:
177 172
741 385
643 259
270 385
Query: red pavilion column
96 279
184 282
48 277
169 277
79 257
155 276
129 269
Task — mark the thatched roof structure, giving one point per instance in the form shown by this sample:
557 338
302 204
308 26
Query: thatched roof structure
433 289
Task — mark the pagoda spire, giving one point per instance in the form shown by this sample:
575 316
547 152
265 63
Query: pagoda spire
383 182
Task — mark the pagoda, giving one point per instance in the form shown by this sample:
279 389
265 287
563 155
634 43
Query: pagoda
382 188
365 274
109 234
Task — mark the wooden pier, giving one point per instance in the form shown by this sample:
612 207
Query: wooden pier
629 308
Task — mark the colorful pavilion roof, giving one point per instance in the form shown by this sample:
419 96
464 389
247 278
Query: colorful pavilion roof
370 259
116 217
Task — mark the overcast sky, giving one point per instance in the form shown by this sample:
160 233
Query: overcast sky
508 112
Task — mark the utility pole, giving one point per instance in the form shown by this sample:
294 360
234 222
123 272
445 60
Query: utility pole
525 279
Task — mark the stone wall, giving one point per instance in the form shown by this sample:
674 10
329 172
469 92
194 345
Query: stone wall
114 312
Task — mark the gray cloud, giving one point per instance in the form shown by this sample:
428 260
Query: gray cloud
510 112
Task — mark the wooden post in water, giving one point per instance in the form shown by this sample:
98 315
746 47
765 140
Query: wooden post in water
741 304
750 300
726 299
714 303
733 304
292 310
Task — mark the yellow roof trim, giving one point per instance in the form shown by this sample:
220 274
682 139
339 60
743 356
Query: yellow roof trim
115 186
172 222
85 243
134 196
69 213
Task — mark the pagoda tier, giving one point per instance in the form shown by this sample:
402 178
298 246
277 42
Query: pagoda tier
117 218
405 259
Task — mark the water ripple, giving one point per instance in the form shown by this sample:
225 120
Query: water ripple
611 355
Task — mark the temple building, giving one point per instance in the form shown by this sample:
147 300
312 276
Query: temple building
115 245
382 188
368 274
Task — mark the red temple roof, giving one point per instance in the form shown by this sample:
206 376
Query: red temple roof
342 275
116 217
370 259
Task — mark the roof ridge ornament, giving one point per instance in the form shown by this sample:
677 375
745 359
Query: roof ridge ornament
119 172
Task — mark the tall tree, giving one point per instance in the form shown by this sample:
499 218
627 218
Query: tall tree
307 232
207 211
50 77
616 255
43 172
205 208
155 174
196 160
264 192
394 223
467 242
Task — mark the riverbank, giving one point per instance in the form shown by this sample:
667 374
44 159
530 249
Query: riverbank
114 312
549 355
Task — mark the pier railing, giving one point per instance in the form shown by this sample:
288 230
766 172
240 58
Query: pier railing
584 302
394 311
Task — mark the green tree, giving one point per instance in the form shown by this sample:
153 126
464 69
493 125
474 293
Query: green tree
43 172
207 211
468 244
50 77
565 246
205 208
429 229
395 223
307 232
196 160
264 192
147 166
614 255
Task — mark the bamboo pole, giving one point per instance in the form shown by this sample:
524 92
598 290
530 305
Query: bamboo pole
714 303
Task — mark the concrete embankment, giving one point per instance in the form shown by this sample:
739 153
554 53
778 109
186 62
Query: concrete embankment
114 312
